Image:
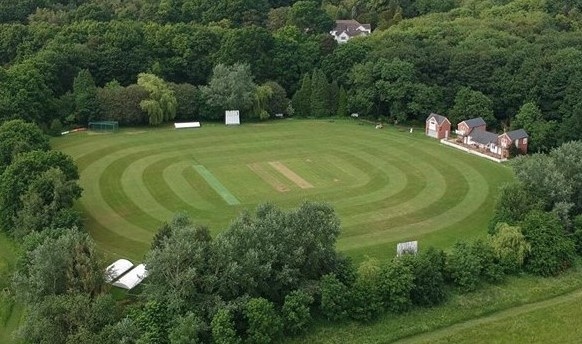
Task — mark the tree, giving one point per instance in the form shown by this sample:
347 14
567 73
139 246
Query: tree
123 103
429 283
510 247
540 131
87 106
188 330
47 203
188 101
366 302
231 87
464 267
342 103
333 95
335 298
161 104
68 318
180 266
302 98
278 102
24 172
396 283
65 263
274 252
513 204
262 96
551 250
17 137
223 331
296 311
250 46
543 180
319 95
469 104
264 324
309 17
568 158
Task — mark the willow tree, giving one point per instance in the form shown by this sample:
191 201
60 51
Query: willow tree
161 104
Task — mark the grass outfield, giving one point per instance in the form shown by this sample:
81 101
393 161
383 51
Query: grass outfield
386 185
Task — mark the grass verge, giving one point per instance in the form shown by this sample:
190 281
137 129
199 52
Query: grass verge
515 292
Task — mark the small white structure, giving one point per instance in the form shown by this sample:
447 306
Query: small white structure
118 268
409 247
232 117
131 279
355 115
187 125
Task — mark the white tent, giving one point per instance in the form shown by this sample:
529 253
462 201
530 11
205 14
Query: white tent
132 278
232 117
118 268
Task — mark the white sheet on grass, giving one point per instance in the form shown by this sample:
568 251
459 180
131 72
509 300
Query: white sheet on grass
187 125
132 278
118 268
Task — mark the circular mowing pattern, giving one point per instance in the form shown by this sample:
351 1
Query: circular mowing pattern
386 186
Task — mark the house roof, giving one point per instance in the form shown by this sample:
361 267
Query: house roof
517 134
474 122
351 28
483 137
440 119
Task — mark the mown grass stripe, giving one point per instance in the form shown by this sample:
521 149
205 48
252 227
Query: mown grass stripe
216 185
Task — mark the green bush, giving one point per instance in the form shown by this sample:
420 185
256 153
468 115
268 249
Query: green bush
296 311
334 298
264 324
464 267
428 271
551 250
396 283
366 301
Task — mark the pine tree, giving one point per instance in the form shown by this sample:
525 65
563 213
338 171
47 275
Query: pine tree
85 94
342 103
319 94
302 98
333 97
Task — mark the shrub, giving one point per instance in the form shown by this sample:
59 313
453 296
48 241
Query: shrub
464 267
396 283
428 271
551 250
264 324
366 302
296 312
334 298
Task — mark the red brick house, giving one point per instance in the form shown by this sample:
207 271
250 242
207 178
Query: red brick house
437 126
466 127
498 145
517 137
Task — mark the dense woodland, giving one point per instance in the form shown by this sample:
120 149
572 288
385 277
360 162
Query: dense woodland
515 63
271 272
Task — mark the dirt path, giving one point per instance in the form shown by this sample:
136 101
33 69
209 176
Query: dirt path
501 315
292 176
269 179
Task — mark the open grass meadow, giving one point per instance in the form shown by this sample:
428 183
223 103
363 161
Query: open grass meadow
386 185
